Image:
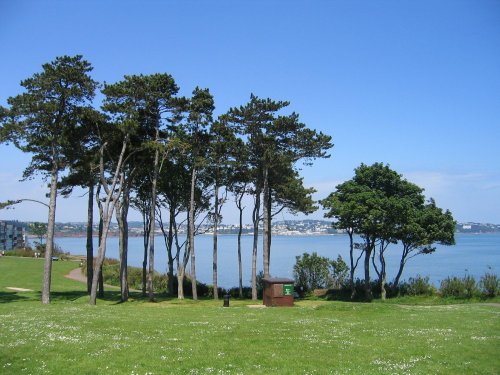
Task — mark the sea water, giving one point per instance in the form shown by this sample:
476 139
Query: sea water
473 254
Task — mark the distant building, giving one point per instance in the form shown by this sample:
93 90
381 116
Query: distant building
12 235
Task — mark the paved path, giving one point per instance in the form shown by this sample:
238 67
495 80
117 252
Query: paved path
77 275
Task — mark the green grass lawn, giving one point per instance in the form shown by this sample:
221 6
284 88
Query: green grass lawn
186 337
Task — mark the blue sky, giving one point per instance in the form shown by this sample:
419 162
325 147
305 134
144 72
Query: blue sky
415 84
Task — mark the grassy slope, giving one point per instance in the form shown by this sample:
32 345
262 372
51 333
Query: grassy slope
171 337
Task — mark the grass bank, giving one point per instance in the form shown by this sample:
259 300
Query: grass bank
186 337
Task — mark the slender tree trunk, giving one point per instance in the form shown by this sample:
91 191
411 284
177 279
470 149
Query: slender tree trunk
106 214
353 267
368 289
383 275
170 244
49 244
152 224
145 237
181 265
90 240
266 232
256 219
402 263
240 231
100 280
214 262
191 235
100 258
121 218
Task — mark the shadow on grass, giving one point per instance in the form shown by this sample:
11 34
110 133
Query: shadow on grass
56 296
7 297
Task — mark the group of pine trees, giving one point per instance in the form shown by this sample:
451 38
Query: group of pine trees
165 155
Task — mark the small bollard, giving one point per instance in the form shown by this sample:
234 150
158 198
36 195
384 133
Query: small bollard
226 300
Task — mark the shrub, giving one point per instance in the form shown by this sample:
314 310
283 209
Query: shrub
339 273
470 287
452 287
235 292
25 253
311 271
490 285
417 286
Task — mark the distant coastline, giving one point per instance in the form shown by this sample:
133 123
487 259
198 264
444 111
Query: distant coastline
280 228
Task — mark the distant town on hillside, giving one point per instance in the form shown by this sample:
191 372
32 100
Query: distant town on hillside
286 227
11 232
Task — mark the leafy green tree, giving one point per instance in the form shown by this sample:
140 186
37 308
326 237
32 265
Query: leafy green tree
239 184
383 208
41 121
339 272
199 119
39 230
374 202
311 271
273 140
222 153
148 104
345 211
424 225
84 172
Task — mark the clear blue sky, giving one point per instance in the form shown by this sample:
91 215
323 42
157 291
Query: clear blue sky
415 84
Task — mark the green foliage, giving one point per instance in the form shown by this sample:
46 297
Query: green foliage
38 229
25 253
43 119
490 285
459 287
312 271
417 286
381 206
339 273
470 286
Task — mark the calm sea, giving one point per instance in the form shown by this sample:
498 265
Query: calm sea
473 254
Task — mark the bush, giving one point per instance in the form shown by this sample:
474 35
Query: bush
460 288
452 287
26 253
418 286
470 286
235 292
490 285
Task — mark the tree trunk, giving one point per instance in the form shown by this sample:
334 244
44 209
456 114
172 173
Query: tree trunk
240 231
106 214
100 280
90 240
145 242
100 258
170 244
402 263
368 289
121 218
353 267
214 262
152 224
180 285
181 265
256 219
266 224
191 235
49 244
383 275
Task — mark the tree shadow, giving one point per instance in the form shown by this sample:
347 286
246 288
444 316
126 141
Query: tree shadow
7 297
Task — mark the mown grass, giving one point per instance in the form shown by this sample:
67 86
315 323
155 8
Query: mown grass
187 337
